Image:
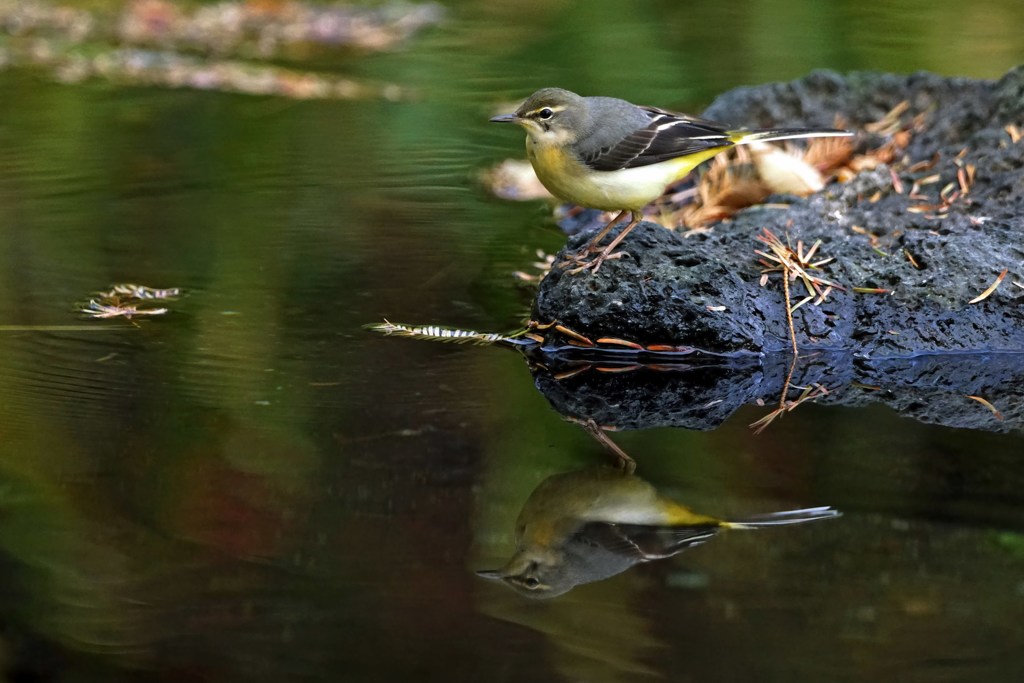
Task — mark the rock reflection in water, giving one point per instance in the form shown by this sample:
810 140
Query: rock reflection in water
701 394
588 525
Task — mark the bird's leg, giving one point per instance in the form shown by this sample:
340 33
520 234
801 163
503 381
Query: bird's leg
609 252
596 239
625 463
592 246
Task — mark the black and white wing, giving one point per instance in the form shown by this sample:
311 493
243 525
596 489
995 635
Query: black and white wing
642 542
666 136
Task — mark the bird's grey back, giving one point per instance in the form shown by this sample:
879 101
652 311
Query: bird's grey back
614 120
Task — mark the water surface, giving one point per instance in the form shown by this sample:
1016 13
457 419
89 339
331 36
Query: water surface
252 487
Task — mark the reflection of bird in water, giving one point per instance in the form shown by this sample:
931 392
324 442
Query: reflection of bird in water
585 526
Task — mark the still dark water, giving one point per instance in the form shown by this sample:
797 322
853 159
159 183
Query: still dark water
252 487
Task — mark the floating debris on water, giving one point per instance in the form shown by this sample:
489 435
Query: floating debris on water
542 266
140 292
128 300
256 29
221 46
514 179
131 66
97 309
435 333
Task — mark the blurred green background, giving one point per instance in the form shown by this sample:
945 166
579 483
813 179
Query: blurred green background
251 487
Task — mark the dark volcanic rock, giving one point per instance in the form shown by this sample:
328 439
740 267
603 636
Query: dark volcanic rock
667 287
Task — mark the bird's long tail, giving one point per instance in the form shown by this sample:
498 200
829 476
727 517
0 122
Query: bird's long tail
741 137
783 518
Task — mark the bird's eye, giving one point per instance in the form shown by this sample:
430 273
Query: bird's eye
545 114
532 582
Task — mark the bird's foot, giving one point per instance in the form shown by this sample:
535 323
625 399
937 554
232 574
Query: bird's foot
578 257
594 262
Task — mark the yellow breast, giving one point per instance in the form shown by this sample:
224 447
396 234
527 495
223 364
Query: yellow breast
632 188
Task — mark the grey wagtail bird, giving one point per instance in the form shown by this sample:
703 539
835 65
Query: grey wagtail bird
606 153
578 527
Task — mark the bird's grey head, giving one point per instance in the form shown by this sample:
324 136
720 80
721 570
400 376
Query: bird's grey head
543 573
551 115
535 575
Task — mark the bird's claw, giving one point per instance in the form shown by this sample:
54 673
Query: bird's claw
578 257
583 264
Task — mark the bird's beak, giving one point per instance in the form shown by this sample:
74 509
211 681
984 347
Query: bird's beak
504 118
492 574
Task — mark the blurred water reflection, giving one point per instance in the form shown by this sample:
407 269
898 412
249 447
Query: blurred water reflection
589 525
252 488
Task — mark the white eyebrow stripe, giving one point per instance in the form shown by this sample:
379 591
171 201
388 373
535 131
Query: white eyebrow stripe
554 108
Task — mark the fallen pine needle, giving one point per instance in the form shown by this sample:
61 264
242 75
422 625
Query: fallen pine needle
789 319
991 288
808 394
897 184
910 258
979 399
871 290
612 341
